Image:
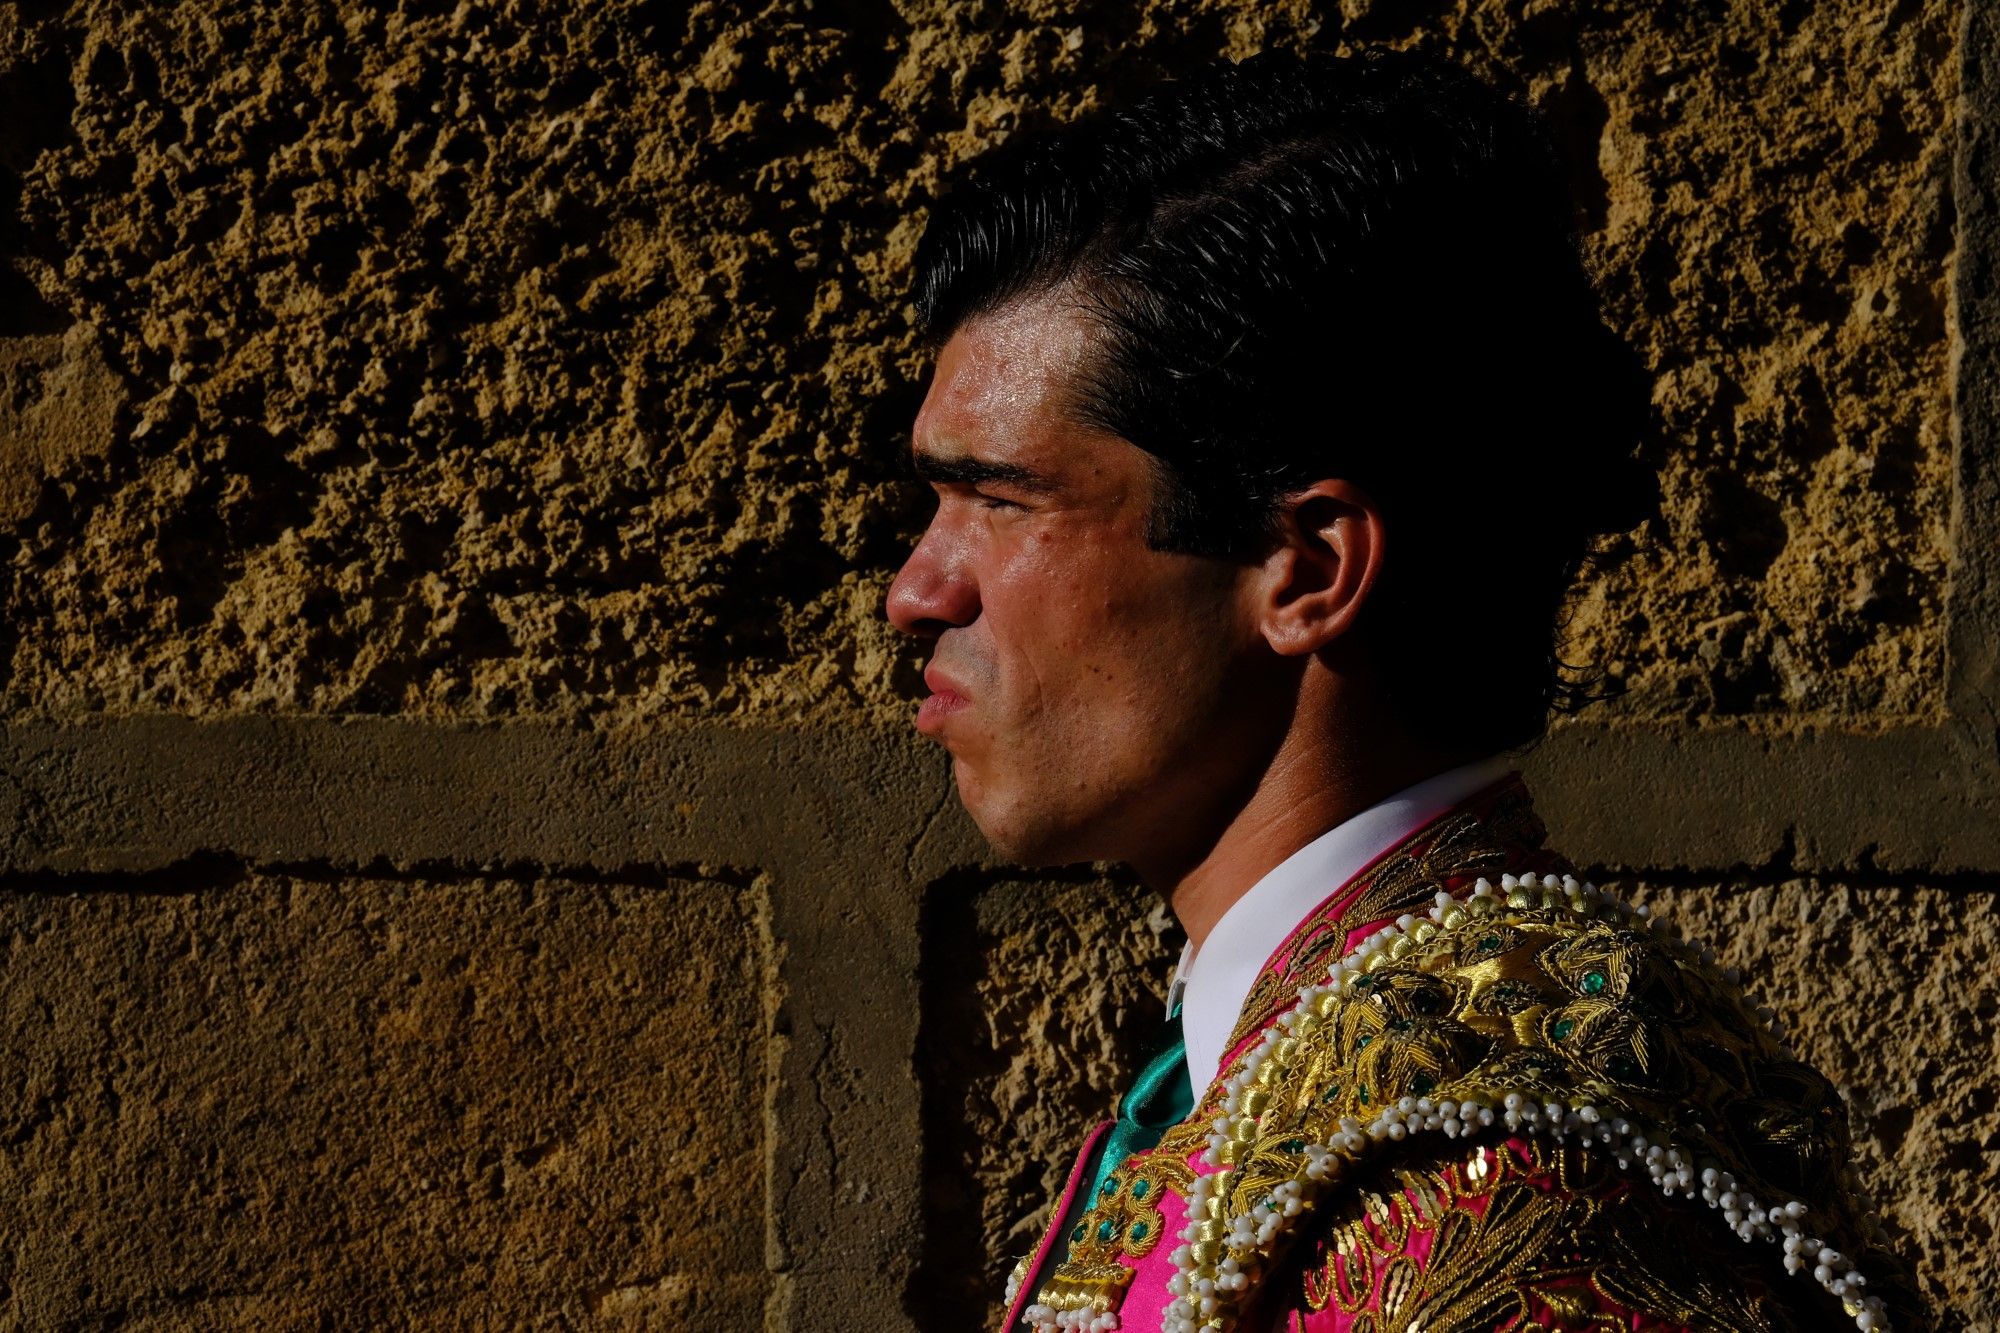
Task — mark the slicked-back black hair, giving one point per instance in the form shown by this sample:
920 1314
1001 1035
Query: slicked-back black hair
1355 267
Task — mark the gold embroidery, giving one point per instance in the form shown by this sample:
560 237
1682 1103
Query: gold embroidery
1190 1136
1512 1235
1077 1286
1560 1006
1124 1220
1462 845
1444 854
1577 1009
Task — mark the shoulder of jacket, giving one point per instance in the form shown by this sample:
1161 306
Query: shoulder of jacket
1542 1008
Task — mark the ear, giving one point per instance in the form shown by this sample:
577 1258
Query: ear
1331 542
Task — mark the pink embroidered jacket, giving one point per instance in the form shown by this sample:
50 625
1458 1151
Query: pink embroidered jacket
1470 1092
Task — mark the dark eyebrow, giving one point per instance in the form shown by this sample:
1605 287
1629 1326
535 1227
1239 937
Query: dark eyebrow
962 471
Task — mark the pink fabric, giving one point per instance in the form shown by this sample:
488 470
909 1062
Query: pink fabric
1147 1298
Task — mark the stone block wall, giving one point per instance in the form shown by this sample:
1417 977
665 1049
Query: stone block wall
257 1098
464 861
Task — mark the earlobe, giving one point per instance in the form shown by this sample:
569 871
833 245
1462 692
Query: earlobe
1331 544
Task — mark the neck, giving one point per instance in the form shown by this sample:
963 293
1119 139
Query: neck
1304 792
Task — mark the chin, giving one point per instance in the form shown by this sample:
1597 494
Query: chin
1017 831
1028 848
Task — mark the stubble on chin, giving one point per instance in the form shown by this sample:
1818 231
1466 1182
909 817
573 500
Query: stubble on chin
998 820
1020 829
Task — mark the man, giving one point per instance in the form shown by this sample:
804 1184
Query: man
1271 420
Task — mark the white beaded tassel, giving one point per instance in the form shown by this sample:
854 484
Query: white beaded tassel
1089 1321
1672 1168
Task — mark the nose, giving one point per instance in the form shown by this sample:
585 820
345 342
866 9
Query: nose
932 592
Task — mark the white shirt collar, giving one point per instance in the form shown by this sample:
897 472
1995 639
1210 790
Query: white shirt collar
1215 985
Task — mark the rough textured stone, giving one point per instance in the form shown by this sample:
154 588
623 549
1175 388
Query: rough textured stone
488 359
1889 990
58 401
274 1101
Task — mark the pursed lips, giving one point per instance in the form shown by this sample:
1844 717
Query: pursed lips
945 698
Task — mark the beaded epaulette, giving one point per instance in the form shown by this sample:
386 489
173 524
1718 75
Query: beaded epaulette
1543 1008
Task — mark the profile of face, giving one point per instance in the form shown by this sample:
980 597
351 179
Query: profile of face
1094 693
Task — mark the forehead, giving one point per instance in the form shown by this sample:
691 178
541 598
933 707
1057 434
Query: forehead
1002 382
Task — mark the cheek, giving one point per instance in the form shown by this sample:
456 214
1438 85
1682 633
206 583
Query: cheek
1142 635
1044 608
